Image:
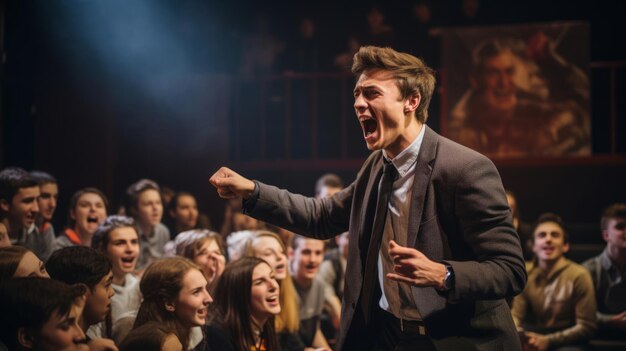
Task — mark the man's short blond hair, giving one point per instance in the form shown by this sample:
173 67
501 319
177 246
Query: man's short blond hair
411 74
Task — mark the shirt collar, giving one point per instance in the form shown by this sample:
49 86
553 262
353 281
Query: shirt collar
605 261
405 160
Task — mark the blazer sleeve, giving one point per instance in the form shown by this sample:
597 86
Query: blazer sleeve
318 218
483 217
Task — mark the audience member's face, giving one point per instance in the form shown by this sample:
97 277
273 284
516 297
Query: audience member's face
375 19
89 212
23 208
99 300
264 295
122 250
49 194
206 256
171 343
191 305
549 242
615 233
512 204
306 259
269 249
186 212
380 111
4 236
62 332
328 191
243 222
149 208
495 82
31 266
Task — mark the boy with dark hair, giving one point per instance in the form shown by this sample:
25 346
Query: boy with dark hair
40 314
144 204
117 239
80 264
608 271
18 210
47 201
557 308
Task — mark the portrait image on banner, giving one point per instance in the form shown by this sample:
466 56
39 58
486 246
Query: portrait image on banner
518 91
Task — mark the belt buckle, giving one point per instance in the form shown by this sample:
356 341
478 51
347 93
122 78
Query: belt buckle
420 327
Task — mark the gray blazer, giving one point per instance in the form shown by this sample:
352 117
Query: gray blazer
459 215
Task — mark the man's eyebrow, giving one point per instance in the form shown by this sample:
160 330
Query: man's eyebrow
365 87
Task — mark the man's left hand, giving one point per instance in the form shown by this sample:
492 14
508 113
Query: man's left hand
413 267
538 341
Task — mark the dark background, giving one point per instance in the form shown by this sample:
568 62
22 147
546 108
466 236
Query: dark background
104 92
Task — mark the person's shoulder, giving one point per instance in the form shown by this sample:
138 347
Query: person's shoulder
62 241
576 269
592 263
162 232
217 337
454 151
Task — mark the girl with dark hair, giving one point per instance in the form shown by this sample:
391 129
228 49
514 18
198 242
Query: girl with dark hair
174 295
245 320
88 209
268 246
18 261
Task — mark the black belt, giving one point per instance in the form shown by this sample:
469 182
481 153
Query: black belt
407 325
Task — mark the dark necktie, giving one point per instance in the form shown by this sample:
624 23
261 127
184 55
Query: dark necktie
370 274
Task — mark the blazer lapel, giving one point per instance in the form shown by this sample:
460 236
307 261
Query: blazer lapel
421 181
367 211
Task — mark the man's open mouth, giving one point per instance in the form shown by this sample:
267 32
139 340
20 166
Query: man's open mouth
369 126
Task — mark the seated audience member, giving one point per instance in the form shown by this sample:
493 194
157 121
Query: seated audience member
18 210
328 185
236 221
4 236
608 272
246 301
332 272
175 296
305 259
117 239
80 264
47 201
183 213
269 246
523 229
87 210
557 309
143 203
151 336
40 314
236 243
18 261
204 248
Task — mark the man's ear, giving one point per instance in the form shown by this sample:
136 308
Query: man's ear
565 248
25 338
5 205
412 102
605 235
